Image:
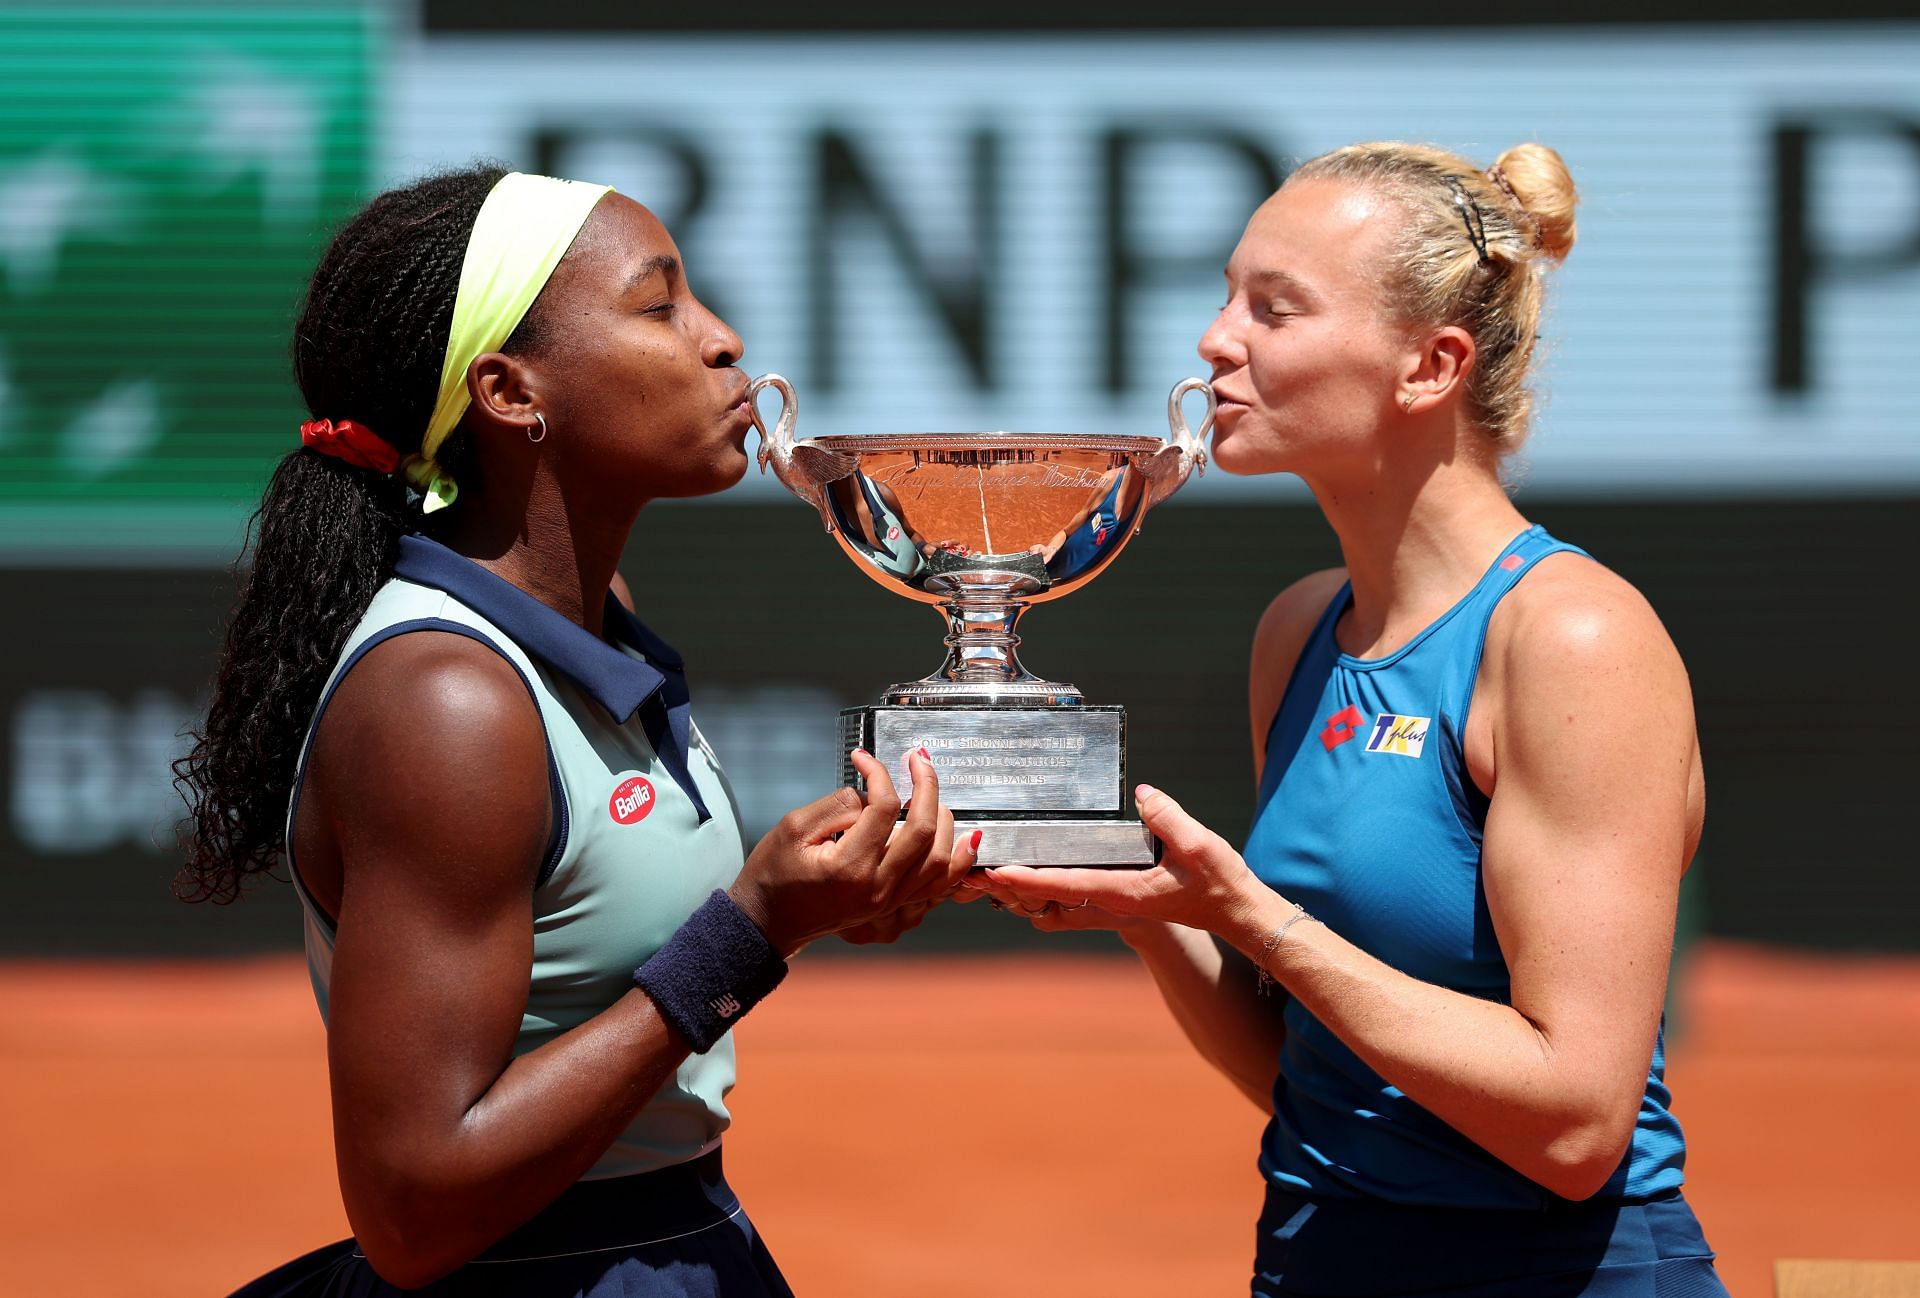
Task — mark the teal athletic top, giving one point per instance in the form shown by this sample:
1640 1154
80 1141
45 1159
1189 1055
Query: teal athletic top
645 825
1367 816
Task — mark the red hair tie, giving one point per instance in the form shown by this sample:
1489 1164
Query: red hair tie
355 443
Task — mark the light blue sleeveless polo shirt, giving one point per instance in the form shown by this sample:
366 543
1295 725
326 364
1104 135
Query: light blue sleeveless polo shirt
1367 817
645 825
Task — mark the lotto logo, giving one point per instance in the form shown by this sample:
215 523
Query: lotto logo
725 1006
1341 726
632 801
1393 733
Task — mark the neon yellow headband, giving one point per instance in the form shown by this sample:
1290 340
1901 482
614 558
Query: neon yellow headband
524 228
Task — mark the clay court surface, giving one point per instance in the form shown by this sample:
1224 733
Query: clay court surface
927 1127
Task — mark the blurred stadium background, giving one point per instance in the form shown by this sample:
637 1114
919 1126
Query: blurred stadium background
988 218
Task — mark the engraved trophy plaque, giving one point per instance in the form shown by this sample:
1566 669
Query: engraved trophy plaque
983 525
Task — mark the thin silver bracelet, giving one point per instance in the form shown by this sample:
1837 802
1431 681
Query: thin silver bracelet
1272 944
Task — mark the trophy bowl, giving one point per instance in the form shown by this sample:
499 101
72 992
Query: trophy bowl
984 525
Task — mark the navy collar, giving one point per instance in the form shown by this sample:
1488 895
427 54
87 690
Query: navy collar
619 683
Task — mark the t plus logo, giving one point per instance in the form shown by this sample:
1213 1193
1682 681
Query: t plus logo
1403 736
1342 726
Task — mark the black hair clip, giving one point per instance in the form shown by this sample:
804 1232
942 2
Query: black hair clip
1470 217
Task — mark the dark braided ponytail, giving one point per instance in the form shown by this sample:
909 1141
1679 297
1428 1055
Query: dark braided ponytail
368 346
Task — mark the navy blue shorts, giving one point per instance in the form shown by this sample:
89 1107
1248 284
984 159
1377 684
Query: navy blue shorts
676 1233
1350 1248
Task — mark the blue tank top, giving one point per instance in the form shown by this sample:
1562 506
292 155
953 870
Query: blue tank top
1080 549
1367 816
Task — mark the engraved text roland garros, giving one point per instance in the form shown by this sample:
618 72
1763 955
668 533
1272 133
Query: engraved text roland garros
971 761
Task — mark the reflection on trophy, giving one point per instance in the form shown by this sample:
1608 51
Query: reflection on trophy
983 525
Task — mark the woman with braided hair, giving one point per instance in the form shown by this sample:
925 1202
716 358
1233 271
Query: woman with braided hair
1440 961
530 916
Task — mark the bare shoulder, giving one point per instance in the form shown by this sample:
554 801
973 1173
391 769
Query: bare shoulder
433 749
1291 615
1578 670
431 694
1282 632
1583 717
1573 614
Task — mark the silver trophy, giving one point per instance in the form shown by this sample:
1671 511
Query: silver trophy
984 525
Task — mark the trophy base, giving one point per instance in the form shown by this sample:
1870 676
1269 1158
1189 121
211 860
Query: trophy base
1046 785
1095 844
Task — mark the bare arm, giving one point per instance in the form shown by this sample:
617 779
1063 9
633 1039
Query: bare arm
1591 823
1213 993
1211 989
445 1141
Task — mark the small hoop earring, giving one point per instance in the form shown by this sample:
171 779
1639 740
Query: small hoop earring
543 428
1408 407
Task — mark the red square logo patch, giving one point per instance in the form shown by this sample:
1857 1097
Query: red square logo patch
1342 726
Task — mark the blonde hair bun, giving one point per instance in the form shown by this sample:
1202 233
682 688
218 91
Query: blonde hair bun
1540 181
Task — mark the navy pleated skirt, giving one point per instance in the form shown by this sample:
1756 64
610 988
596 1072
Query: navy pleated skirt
1345 1248
676 1233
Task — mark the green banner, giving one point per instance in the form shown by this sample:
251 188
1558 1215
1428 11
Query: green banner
168 174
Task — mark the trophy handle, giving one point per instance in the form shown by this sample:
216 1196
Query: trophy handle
803 468
777 445
1185 454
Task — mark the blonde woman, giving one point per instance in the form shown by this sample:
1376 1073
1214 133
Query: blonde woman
1440 961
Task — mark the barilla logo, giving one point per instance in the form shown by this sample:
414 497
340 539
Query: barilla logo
1393 733
632 802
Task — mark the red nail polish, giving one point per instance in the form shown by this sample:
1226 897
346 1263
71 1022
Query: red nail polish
924 753
861 752
976 840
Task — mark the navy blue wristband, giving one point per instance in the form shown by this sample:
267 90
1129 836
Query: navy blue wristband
715 968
